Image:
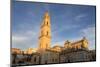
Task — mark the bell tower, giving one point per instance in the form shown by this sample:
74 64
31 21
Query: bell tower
45 32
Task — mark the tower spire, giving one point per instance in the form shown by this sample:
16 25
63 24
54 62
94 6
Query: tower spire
46 19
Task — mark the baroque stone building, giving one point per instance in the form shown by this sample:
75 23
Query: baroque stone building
49 57
45 54
16 50
81 44
79 55
31 50
35 58
70 52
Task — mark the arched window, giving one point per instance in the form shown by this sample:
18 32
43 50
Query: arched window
47 22
47 32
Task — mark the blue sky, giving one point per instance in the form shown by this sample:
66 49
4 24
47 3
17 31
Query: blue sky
68 22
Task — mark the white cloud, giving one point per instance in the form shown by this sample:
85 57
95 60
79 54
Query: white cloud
23 35
89 33
19 38
25 39
80 16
